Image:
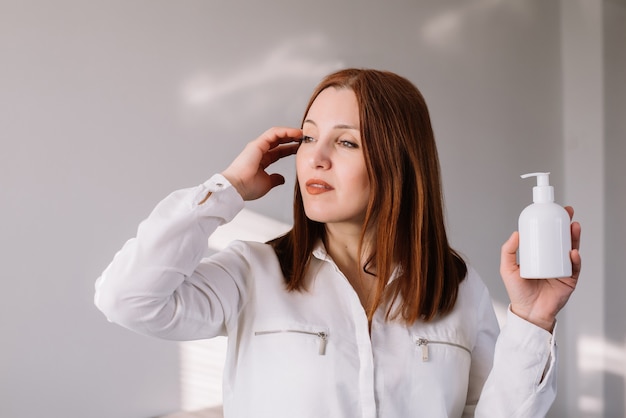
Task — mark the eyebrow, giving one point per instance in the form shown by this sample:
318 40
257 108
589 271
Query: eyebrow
340 126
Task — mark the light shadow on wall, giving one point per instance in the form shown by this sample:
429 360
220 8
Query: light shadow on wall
296 59
597 355
444 29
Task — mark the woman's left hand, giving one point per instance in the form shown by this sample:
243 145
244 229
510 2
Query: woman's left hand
538 300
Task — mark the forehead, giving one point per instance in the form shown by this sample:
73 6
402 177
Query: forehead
337 106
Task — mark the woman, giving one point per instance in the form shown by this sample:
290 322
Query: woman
362 309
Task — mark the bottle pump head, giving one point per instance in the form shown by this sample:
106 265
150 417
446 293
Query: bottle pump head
542 192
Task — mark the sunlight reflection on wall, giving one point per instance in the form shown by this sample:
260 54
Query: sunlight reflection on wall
443 30
595 354
201 367
296 59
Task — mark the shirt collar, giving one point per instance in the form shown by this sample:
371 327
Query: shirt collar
319 252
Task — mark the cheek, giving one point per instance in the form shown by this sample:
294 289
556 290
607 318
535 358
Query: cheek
362 179
299 163
365 186
358 186
365 179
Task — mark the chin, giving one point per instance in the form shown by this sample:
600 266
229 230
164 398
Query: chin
317 218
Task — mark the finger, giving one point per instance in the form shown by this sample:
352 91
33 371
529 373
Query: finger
288 132
570 211
576 263
276 180
576 231
508 259
284 150
277 153
276 136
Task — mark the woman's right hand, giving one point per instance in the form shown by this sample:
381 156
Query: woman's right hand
247 172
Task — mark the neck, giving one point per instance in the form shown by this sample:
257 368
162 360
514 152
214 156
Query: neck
342 244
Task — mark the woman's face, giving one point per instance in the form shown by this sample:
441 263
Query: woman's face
330 164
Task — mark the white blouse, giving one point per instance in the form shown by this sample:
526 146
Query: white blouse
310 353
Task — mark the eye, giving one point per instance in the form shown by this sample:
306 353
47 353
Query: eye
306 139
348 144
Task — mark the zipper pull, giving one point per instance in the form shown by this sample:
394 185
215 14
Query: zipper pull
423 342
323 341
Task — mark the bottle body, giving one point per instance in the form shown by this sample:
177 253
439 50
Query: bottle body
544 242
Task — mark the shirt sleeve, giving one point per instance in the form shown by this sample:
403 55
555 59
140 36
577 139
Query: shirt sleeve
159 285
522 382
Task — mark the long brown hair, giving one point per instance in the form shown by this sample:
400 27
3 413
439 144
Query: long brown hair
405 208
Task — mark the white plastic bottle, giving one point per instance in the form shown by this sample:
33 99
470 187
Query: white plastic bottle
544 234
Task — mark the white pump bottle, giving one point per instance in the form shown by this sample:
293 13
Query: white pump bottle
544 234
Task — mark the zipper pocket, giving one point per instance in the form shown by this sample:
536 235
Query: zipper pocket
425 342
322 335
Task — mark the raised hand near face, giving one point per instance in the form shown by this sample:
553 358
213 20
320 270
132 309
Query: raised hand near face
247 173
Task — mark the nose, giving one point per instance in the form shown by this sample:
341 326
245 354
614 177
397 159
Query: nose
319 156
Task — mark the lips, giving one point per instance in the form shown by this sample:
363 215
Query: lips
316 186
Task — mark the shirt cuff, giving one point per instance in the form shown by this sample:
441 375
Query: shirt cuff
526 334
217 183
224 201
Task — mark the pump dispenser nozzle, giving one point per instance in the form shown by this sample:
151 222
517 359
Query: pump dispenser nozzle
542 192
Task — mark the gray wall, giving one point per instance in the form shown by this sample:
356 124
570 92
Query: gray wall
107 106
615 172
